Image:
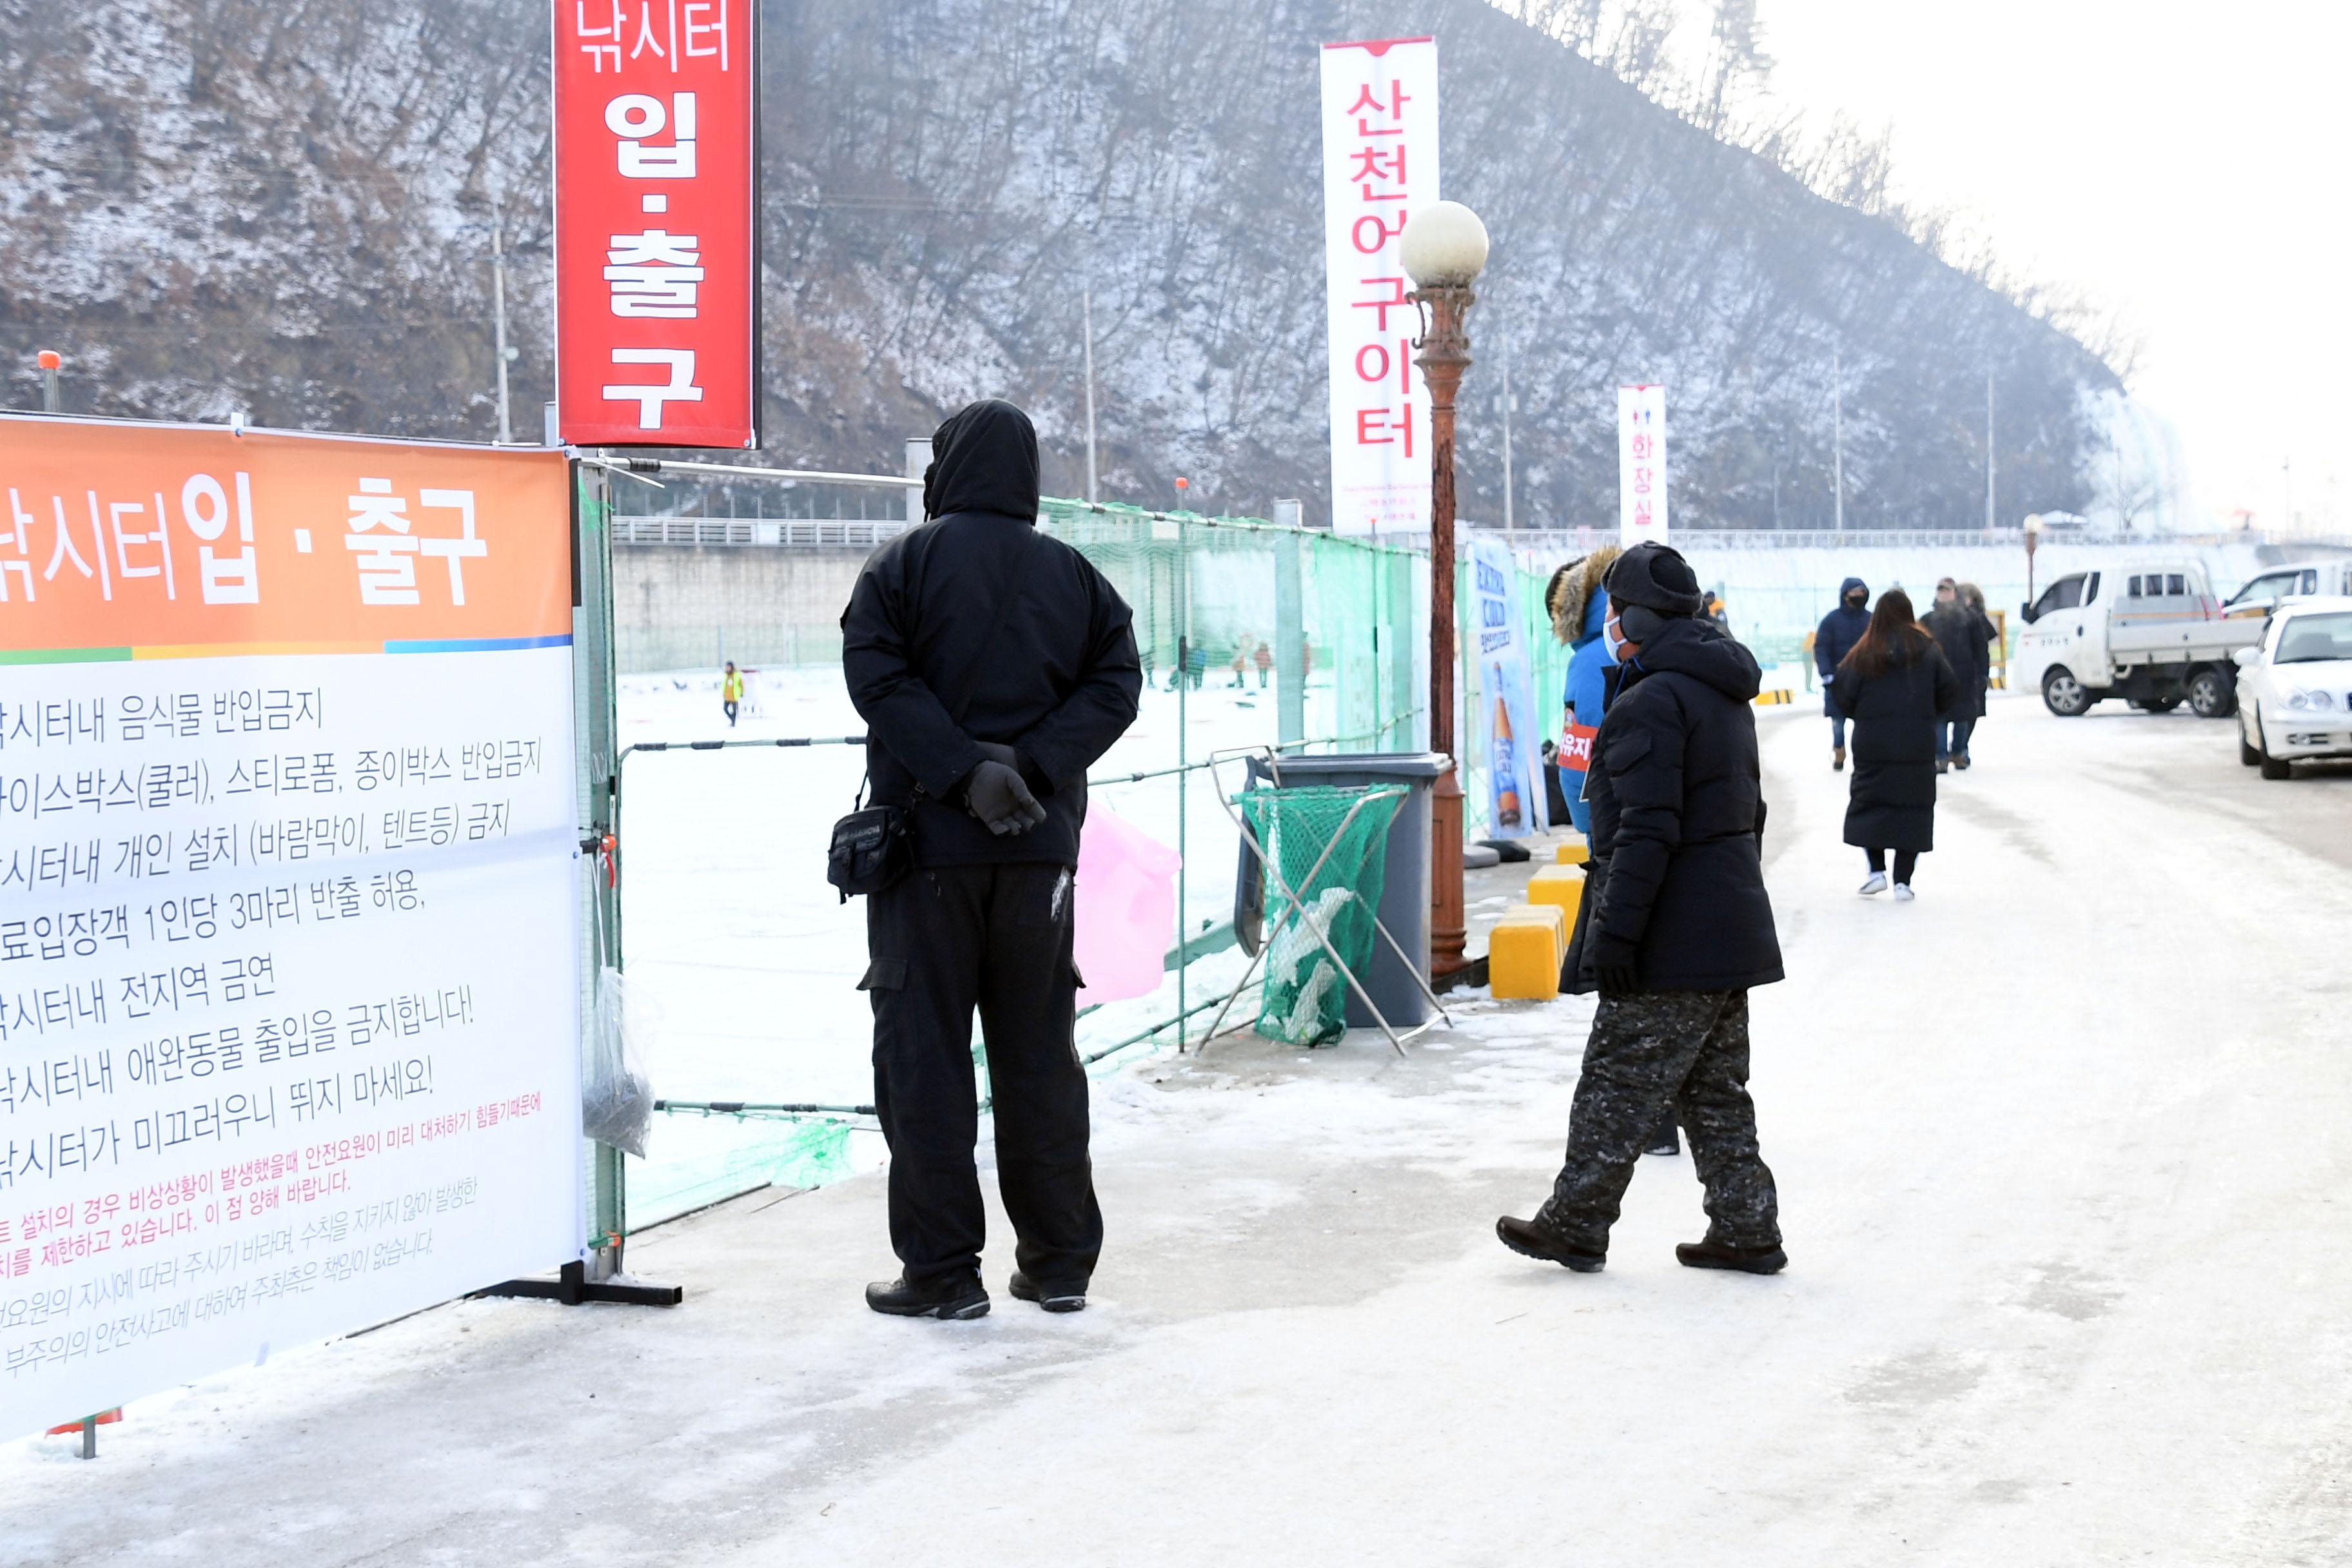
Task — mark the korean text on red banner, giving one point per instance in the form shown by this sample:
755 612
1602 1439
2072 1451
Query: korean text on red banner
657 222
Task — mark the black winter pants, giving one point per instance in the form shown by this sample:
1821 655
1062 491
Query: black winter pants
1683 1049
997 938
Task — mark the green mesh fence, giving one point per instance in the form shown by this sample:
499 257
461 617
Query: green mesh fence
1329 844
1251 633
706 1159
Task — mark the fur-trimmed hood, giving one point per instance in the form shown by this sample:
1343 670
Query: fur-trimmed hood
1575 588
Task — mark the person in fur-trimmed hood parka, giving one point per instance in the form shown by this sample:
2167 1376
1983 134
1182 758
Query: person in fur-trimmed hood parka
1579 606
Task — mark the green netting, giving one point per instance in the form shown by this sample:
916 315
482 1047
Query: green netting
1305 999
706 1159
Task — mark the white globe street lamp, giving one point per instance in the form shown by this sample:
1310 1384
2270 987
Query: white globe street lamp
1443 249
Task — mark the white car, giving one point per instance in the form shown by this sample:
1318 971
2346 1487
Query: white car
2295 686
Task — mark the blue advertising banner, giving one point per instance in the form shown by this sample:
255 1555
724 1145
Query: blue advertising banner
1516 803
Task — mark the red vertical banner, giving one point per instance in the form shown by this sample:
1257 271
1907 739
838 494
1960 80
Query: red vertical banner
657 222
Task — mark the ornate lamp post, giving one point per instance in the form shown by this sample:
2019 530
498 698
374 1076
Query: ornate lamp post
1444 248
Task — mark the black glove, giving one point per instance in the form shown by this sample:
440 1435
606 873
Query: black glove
996 794
1613 965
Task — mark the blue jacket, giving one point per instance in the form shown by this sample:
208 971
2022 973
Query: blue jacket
1835 637
1588 693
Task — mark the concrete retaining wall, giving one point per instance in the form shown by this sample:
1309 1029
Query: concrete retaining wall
683 607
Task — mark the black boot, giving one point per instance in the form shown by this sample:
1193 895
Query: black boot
957 1296
1714 1254
1053 1298
1535 1238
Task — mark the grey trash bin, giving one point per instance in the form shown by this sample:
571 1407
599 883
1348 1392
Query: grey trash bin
1404 893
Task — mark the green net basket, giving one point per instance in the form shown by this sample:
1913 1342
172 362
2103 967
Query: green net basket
1304 1000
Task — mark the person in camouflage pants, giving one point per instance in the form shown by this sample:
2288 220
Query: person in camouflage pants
1674 927
1687 1050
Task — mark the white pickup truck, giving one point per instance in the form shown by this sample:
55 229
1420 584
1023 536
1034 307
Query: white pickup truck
2149 632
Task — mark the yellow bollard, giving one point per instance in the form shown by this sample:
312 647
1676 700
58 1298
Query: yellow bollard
1560 885
1524 953
1572 850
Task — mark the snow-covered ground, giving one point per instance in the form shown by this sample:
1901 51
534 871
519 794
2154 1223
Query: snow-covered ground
2062 1149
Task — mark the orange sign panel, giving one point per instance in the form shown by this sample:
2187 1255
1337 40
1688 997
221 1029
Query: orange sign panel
135 539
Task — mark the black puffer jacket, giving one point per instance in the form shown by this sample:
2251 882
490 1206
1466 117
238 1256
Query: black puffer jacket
1058 684
1676 880
1892 803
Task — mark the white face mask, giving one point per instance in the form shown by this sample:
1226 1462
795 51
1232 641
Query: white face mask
1608 636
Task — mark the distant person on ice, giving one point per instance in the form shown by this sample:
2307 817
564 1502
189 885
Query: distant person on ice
730 691
1674 927
1896 684
992 665
1833 640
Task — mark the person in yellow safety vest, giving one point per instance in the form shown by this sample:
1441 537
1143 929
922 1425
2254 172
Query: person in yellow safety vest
730 691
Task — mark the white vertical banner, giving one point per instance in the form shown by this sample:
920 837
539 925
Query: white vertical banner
1641 464
1379 163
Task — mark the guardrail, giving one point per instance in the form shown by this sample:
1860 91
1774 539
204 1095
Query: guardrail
756 533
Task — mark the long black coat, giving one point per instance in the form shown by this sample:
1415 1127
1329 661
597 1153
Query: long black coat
1893 804
1059 683
1966 638
1676 879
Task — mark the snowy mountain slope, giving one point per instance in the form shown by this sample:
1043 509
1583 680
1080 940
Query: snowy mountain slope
285 208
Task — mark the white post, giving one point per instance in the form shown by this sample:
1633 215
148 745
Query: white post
1087 304
1505 346
919 458
1837 457
498 303
1989 514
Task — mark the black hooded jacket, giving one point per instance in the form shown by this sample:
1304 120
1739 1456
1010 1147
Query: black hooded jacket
1677 881
1058 683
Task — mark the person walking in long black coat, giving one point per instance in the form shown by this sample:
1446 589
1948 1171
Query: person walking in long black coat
1674 929
992 664
1965 636
1894 685
1833 640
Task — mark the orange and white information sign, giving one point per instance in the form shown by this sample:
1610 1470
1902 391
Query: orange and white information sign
288 943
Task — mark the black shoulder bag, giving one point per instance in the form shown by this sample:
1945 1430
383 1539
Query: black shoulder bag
873 846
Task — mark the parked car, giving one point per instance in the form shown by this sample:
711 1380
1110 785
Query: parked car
2151 633
2265 591
2295 686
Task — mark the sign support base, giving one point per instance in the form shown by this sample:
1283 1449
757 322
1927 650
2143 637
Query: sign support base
573 1287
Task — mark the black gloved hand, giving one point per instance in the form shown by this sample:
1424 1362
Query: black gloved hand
1613 965
996 794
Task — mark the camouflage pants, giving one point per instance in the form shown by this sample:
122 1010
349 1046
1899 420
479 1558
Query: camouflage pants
1683 1049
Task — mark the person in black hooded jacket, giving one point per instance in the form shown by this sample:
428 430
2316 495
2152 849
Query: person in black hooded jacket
1674 927
992 665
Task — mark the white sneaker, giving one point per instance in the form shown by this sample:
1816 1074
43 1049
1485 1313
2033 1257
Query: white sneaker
1902 893
1876 884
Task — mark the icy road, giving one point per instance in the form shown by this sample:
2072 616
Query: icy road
2065 1157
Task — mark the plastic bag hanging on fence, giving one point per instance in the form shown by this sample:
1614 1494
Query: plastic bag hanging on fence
616 1096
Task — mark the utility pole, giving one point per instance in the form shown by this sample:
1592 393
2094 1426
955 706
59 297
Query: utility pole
1988 458
1087 305
1837 450
1505 346
499 305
